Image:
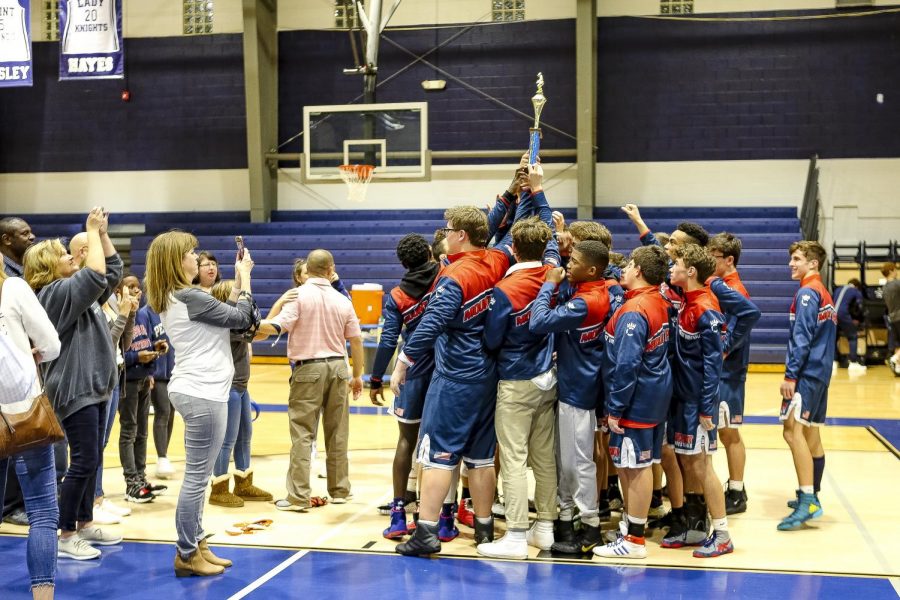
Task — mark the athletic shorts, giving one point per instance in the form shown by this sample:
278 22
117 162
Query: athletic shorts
808 405
637 448
409 404
731 403
686 434
458 423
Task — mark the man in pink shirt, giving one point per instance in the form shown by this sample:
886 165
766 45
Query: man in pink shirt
319 323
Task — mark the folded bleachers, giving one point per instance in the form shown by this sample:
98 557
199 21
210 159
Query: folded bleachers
363 243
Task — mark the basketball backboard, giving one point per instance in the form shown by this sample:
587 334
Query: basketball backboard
391 136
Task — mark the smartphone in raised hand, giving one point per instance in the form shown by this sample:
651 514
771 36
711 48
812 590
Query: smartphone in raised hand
239 240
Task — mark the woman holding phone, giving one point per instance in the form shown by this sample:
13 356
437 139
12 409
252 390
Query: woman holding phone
198 327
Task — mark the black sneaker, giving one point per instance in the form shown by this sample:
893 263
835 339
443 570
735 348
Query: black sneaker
423 542
484 533
563 531
155 489
605 510
385 509
138 494
735 502
583 543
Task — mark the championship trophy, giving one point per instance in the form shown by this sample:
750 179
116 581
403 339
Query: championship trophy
538 100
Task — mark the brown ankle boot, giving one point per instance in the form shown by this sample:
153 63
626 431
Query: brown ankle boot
244 488
220 495
195 564
211 558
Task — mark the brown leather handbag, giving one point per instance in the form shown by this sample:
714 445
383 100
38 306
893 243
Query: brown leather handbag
33 428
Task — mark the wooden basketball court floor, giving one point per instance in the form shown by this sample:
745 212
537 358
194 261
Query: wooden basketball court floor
338 549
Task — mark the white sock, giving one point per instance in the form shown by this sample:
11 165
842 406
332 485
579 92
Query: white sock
720 524
636 520
429 523
807 489
517 535
543 526
736 485
484 520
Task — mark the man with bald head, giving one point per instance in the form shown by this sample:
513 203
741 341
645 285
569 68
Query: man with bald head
15 238
78 247
319 323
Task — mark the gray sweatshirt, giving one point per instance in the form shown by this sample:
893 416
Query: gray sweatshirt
85 372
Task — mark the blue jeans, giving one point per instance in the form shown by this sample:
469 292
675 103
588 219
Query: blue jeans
36 472
204 430
238 431
111 408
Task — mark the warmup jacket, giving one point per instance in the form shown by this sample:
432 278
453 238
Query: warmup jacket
165 364
579 344
402 311
636 363
143 339
453 323
741 315
813 328
698 348
521 354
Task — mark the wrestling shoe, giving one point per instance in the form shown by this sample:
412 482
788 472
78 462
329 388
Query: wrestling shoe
735 501
808 507
447 530
398 527
464 514
423 542
627 546
717 544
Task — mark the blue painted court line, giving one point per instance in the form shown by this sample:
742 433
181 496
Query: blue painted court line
144 570
889 428
135 570
385 577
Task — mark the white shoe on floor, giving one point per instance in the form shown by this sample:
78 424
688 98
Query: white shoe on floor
102 517
114 509
624 547
98 537
164 468
857 368
505 548
76 548
540 535
498 510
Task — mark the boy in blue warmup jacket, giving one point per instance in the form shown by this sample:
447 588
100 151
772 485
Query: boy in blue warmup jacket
458 421
807 374
403 310
526 393
578 322
697 369
639 383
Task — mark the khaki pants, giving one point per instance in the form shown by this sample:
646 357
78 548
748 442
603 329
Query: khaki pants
526 430
315 386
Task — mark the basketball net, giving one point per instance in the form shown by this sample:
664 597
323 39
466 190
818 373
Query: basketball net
357 178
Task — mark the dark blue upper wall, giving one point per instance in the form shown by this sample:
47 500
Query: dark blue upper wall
186 111
668 91
759 90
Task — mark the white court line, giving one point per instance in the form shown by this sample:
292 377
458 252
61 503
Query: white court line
895 581
885 564
331 532
272 573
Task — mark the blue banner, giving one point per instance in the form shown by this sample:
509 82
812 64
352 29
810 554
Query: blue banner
15 44
90 39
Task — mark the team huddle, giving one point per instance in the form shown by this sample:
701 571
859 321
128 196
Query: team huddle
601 373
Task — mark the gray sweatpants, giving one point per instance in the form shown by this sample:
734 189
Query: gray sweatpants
204 432
575 460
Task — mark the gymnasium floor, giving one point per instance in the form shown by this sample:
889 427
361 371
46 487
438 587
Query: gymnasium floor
338 551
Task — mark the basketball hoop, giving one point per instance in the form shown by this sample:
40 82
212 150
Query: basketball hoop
357 178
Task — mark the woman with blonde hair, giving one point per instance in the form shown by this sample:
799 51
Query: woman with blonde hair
198 327
24 322
79 383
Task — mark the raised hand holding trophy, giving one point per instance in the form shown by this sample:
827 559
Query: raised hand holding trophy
538 101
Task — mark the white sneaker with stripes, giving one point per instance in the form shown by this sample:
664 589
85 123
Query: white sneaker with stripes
624 547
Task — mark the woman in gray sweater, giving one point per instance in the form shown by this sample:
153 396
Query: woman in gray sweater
80 381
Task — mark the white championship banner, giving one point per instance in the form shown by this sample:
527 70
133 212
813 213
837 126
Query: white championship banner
15 43
90 33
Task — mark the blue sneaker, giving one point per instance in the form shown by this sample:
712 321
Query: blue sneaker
398 527
447 531
808 507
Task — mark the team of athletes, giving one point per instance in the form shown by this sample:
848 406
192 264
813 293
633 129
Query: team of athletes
596 371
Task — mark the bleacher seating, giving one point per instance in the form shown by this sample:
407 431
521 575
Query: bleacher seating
363 244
